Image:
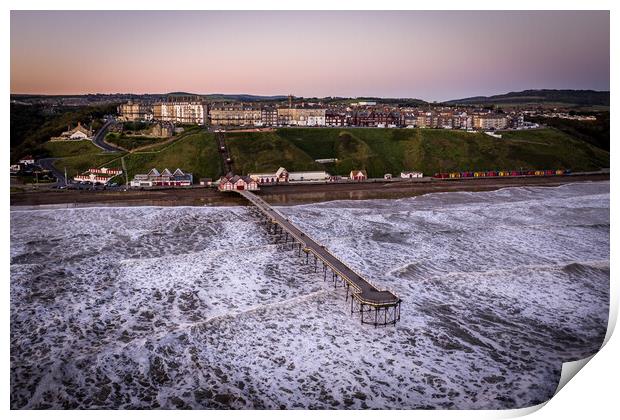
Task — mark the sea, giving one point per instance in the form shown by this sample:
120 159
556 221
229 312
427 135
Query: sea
197 307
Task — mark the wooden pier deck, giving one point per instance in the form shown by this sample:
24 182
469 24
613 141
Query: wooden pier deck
377 307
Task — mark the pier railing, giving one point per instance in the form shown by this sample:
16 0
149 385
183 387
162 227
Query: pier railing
365 296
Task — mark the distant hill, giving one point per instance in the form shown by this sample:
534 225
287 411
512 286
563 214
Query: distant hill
542 96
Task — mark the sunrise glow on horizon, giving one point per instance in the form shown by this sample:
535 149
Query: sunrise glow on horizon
426 55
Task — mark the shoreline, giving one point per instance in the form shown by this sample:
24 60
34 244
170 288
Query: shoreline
281 195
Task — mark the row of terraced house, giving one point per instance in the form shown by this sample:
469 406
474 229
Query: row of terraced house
251 115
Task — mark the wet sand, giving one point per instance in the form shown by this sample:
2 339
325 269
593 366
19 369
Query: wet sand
282 194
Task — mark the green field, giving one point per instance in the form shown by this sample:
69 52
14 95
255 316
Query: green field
381 151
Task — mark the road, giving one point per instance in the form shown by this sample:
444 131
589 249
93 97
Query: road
366 292
100 136
48 163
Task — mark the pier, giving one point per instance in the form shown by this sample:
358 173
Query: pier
373 306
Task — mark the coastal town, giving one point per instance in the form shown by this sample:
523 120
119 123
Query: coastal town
302 113
167 117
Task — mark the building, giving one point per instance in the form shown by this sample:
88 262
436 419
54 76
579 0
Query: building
78 133
162 129
358 175
424 120
309 176
235 115
336 119
280 176
165 178
364 103
387 119
411 175
409 119
237 183
98 175
135 112
269 116
489 122
303 117
181 112
364 119
27 160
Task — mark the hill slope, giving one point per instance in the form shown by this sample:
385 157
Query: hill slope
195 152
564 96
32 126
381 151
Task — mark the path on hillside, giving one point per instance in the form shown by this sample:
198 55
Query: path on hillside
99 138
225 154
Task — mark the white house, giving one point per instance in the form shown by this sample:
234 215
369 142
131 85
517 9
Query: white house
411 174
165 178
309 176
279 176
98 175
358 175
78 133
27 160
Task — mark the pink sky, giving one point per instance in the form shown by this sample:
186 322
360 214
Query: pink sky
427 55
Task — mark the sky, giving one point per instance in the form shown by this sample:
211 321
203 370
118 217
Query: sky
414 54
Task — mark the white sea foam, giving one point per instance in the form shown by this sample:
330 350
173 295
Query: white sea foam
170 307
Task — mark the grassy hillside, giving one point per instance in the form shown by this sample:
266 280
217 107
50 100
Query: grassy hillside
392 150
77 156
195 152
133 142
593 132
32 126
379 151
267 151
